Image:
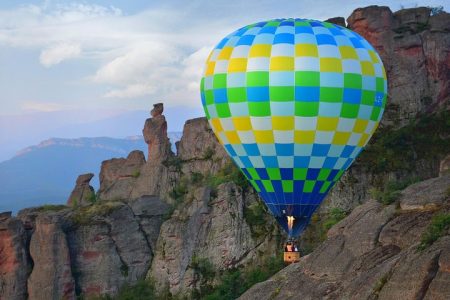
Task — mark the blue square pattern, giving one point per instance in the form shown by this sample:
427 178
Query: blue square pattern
347 151
258 94
284 149
268 29
301 161
246 40
352 96
270 161
251 149
230 150
307 94
356 43
284 38
304 29
320 150
330 162
246 161
312 174
325 39
220 96
262 173
287 173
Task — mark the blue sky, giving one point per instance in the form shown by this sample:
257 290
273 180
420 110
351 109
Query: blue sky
123 55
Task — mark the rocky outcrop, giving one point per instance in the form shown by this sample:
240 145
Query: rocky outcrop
83 193
372 254
108 248
15 264
118 176
413 45
210 226
51 277
155 135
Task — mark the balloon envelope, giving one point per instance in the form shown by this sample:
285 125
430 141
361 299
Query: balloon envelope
293 102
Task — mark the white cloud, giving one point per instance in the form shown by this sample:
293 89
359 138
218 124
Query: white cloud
55 54
157 52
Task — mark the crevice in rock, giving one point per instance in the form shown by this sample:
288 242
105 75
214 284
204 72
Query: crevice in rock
138 221
432 271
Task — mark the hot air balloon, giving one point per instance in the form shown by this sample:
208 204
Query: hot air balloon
293 101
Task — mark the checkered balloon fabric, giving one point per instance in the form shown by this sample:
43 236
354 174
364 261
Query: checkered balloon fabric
293 102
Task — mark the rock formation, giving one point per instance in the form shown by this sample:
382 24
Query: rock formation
373 254
158 217
83 193
15 264
155 135
413 45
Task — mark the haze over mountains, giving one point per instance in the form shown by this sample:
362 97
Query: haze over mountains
21 131
67 143
46 173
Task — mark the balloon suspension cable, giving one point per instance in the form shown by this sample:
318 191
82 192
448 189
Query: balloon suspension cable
291 220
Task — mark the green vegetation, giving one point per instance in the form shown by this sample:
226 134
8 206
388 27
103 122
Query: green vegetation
124 270
208 154
92 198
175 162
391 190
397 150
51 207
255 216
316 232
136 174
86 215
381 283
438 227
204 274
229 173
233 283
335 215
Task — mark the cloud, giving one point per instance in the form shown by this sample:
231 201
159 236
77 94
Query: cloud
58 53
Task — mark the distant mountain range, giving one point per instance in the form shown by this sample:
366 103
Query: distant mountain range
46 173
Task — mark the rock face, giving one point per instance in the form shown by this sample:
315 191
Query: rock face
211 226
51 277
414 48
118 175
372 254
15 264
83 193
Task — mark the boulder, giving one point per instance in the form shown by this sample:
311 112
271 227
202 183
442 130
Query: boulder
83 193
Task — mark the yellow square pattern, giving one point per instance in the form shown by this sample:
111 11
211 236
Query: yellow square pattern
210 68
237 65
367 68
360 125
304 137
327 124
225 53
330 64
260 51
232 137
264 136
348 52
282 63
306 50
341 138
217 125
283 123
242 123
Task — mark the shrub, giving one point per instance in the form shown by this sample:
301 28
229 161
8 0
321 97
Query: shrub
208 154
437 228
391 190
51 207
136 174
335 215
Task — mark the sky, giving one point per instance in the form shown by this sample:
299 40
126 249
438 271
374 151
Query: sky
122 55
